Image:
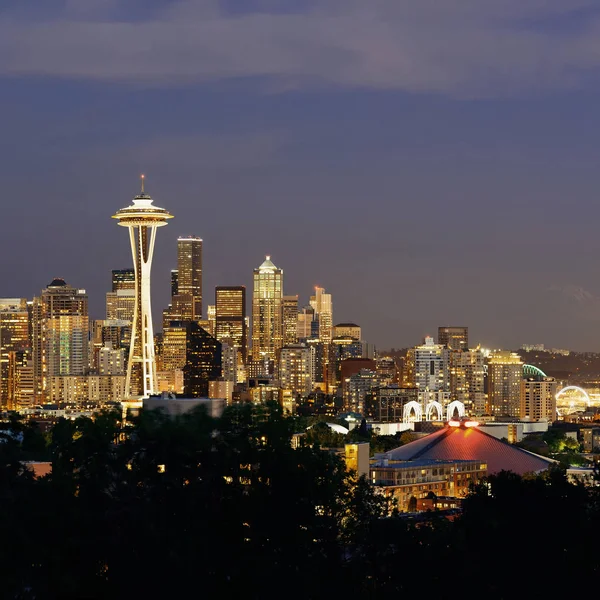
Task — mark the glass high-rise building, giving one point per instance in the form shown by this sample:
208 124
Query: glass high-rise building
59 335
14 337
323 306
230 317
203 361
290 320
189 276
267 312
505 372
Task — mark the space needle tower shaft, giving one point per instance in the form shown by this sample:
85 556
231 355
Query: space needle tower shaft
142 219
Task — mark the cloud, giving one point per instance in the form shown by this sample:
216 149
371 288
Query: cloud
456 47
576 300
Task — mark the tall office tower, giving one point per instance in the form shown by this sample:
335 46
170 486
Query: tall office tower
14 337
174 282
230 317
323 306
290 320
505 371
454 338
60 330
467 379
187 303
320 357
174 343
123 279
267 312
538 399
307 325
172 358
431 372
296 369
142 219
231 361
21 380
347 330
120 301
202 361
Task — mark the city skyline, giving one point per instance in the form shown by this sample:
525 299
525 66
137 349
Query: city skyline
419 185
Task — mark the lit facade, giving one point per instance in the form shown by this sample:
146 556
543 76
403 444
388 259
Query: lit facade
429 368
467 379
230 317
347 330
123 279
142 219
409 481
60 326
454 338
14 337
111 361
290 320
307 325
189 278
296 369
538 399
323 306
356 388
267 312
505 371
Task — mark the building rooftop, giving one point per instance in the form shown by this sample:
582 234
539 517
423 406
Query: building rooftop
465 441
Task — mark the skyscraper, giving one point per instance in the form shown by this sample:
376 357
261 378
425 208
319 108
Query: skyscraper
189 277
60 335
14 337
430 364
505 371
323 306
538 399
454 338
467 379
267 312
290 320
230 316
123 279
202 361
142 219
296 365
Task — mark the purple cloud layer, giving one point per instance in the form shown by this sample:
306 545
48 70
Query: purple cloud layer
456 47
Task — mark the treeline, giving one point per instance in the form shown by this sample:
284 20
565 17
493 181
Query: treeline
196 507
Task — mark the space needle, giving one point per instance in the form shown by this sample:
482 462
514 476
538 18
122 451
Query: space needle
142 219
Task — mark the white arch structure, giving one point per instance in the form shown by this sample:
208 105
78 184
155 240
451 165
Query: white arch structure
410 407
568 388
430 408
456 405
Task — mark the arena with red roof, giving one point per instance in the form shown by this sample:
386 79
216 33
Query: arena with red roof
463 440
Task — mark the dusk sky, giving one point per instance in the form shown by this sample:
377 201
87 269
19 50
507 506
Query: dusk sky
428 162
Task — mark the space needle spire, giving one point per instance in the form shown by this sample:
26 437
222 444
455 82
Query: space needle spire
142 219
